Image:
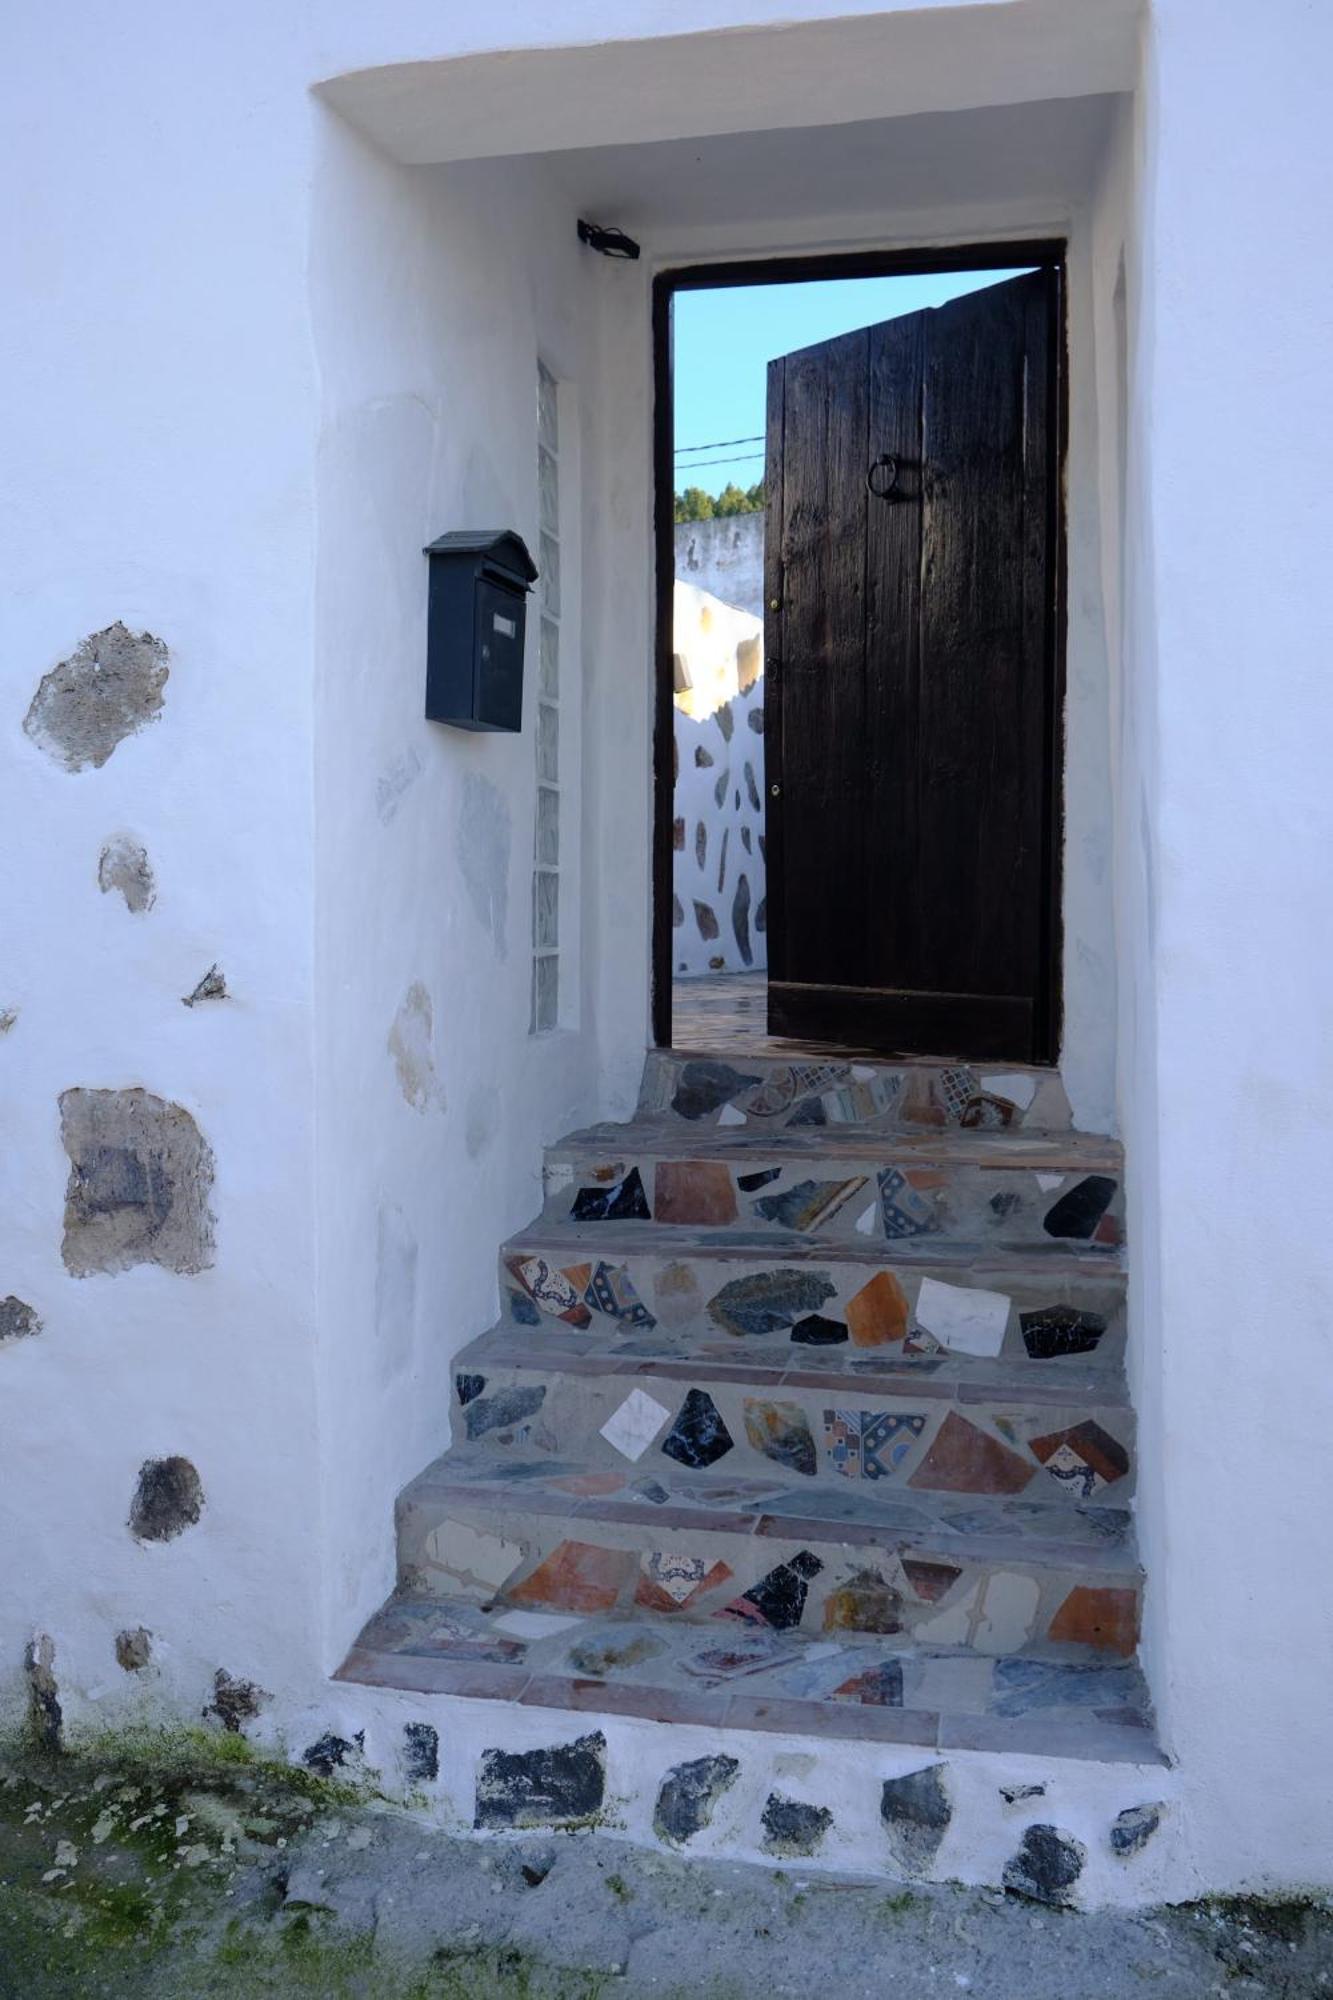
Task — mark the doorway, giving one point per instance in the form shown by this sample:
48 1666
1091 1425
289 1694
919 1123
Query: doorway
860 659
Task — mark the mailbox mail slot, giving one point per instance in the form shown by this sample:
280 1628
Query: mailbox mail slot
477 612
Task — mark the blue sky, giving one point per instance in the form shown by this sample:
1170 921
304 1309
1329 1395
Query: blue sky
725 339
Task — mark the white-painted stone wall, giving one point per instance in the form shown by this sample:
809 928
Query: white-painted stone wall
249 366
724 557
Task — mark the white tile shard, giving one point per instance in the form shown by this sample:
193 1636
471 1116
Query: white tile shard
963 1318
632 1428
1012 1084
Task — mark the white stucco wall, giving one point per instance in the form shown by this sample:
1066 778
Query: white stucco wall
232 358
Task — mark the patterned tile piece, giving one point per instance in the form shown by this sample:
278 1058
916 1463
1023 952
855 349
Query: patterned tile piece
635 1424
1056 1330
551 1290
576 1576
809 1203
964 1459
869 1444
694 1191
880 1686
769 1301
902 1210
745 1656
964 1318
1076 1215
670 1580
1091 1616
622 1201
698 1438
610 1290
1085 1458
877 1314
778 1599
781 1432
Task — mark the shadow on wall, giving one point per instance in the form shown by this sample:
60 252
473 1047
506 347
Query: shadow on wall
718 832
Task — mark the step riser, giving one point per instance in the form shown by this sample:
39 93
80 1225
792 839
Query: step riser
813 1435
766 1093
844 1200
918 1314
812 1578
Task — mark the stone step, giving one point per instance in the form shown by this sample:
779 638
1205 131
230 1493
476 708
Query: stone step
768 1092
979 1188
816 1423
745 1677
927 1568
922 1303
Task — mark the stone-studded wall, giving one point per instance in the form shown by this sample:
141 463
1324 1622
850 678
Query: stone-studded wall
718 832
726 558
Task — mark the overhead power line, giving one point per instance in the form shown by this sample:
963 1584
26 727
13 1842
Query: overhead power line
699 464
721 444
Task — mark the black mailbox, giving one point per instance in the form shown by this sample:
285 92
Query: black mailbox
479 584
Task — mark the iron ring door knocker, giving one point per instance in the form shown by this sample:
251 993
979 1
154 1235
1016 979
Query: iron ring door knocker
886 486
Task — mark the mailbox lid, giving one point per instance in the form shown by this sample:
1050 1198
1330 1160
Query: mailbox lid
498 546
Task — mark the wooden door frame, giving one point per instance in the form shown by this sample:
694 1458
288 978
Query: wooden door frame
1044 252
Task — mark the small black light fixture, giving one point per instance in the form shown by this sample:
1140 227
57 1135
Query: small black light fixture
607 242
475 620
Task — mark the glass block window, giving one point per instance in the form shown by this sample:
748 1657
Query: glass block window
546 846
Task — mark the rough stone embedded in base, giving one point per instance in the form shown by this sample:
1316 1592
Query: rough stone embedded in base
916 1811
793 1828
689 1795
1134 1828
109 687
555 1787
134 1649
18 1320
421 1752
235 1701
168 1499
123 865
141 1174
324 1756
1046 1866
46 1720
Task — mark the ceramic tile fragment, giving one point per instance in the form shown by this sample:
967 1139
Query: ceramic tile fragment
635 1424
867 1220
729 1115
808 1204
622 1201
903 1211
869 1444
866 1602
1084 1458
677 1295
778 1599
698 1438
705 1086
469 1387
950 1627
551 1290
698 1192
1049 1182
965 1459
1007 1608
738 1658
505 1410
817 1331
769 1301
1105 1618
877 1314
1056 1330
1076 1215
533 1624
880 1686
1013 1084
930 1580
610 1290
576 1576
671 1580
613 1652
751 1183
964 1318
781 1432
474 1559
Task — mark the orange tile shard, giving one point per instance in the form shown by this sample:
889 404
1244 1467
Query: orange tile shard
878 1312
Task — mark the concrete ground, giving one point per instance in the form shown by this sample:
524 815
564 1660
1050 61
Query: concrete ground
174 1877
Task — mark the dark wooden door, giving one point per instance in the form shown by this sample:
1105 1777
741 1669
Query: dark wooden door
911 710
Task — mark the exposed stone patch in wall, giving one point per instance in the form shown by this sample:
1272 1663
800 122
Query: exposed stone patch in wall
18 1320
328 1753
793 1828
394 784
235 1701
134 1649
689 1794
168 1499
141 1174
916 1811
46 1721
555 1787
213 986
124 865
483 855
8 1016
1047 1865
108 688
411 1044
421 1752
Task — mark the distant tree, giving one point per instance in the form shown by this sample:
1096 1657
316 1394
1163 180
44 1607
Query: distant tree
696 505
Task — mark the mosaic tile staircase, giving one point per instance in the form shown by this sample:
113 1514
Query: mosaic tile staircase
805 1412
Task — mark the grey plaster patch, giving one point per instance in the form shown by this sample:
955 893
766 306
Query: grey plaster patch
555 1787
46 1720
123 865
109 687
1046 1866
140 1177
421 1752
395 1289
213 986
18 1320
483 854
1134 1828
793 1828
134 1649
483 1119
916 1811
412 1046
235 1701
168 1499
8 1017
689 1795
394 783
